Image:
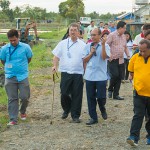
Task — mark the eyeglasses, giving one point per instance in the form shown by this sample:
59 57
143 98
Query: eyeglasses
94 34
73 30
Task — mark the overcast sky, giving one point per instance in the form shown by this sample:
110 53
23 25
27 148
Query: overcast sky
100 6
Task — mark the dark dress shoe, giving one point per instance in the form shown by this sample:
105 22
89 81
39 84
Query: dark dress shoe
64 115
118 98
76 120
109 94
91 121
104 115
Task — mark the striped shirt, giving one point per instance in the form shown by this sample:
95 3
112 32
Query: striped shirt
118 45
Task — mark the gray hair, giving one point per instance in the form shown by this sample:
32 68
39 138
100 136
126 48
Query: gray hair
144 41
74 25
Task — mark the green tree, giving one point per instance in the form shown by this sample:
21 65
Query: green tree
93 15
35 13
10 15
17 12
63 8
72 9
4 4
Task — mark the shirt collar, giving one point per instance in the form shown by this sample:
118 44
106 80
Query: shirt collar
142 35
72 41
141 55
9 44
99 43
117 33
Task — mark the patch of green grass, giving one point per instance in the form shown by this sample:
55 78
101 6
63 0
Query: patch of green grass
3 38
55 34
3 97
3 104
38 80
3 121
1 141
41 57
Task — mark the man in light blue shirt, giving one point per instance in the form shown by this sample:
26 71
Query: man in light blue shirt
96 55
112 27
15 57
69 53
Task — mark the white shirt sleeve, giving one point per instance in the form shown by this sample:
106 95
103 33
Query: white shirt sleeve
137 39
107 48
86 50
58 50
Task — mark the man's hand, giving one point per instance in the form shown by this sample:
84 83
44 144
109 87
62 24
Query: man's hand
54 69
103 40
93 50
135 47
131 77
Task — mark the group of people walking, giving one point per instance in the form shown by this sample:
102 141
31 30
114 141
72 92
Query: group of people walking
77 59
92 62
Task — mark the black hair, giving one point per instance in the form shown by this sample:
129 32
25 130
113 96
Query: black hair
74 25
130 38
120 24
147 33
92 21
146 26
12 33
66 35
81 32
79 21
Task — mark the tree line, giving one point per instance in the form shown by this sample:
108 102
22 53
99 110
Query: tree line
70 9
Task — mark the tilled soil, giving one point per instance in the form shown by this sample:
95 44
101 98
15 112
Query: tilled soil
38 134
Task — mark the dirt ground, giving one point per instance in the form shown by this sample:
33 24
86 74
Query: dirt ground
38 134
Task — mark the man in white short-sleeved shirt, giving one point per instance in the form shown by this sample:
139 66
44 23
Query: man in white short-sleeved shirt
69 54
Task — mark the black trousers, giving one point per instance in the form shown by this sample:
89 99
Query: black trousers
71 93
140 104
126 72
116 73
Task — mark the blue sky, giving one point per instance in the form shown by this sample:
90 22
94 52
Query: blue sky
100 6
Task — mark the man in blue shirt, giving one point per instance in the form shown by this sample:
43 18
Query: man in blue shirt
15 57
96 55
113 27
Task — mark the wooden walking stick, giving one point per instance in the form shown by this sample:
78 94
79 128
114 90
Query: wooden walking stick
53 96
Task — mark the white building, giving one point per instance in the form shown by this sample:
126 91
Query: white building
142 13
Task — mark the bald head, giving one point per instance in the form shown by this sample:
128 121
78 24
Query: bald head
97 30
95 35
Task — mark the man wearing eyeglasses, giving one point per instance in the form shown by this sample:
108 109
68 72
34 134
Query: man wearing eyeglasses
95 75
69 53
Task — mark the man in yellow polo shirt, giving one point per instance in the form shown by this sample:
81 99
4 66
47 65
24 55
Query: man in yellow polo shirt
139 68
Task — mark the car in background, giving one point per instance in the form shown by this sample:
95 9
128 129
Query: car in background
85 21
